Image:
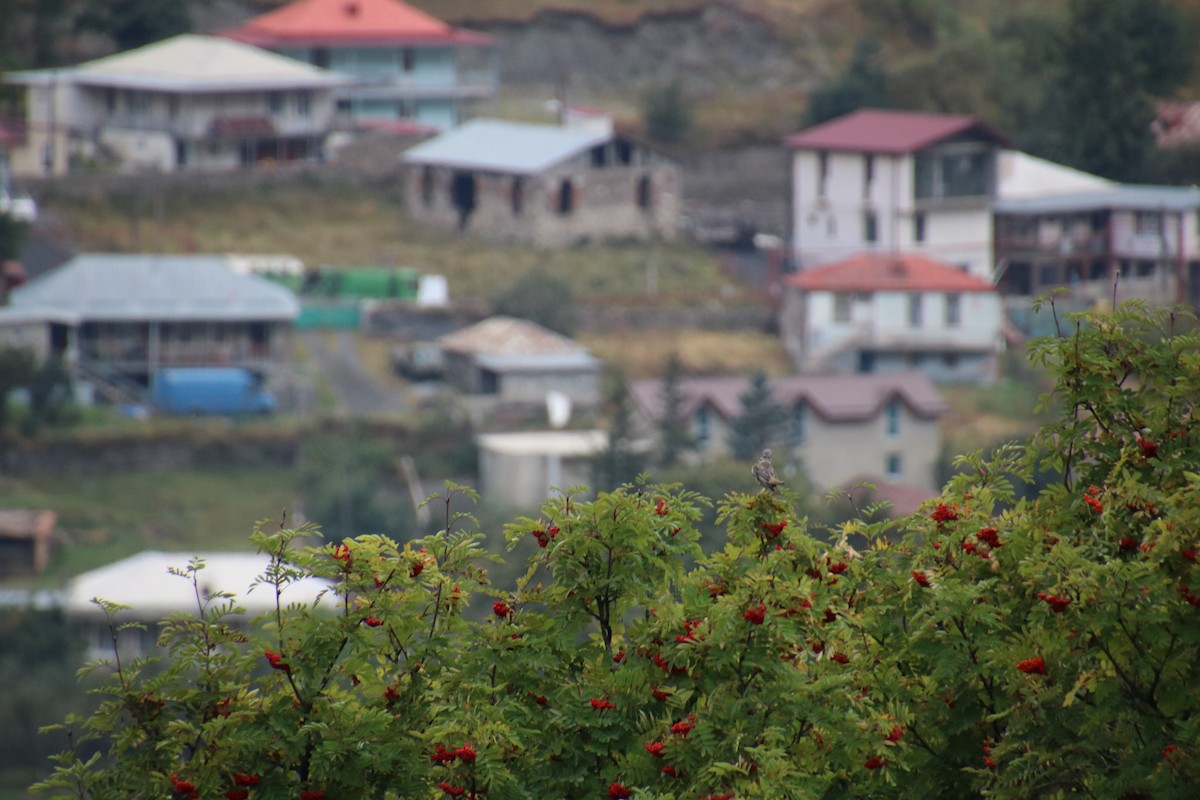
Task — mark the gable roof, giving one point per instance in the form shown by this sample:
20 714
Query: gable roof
501 336
873 130
344 22
494 145
145 584
835 398
112 286
190 62
887 272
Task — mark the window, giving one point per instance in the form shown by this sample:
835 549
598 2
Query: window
173 106
703 425
303 104
427 183
139 102
822 172
891 418
841 307
518 196
953 310
566 197
1148 223
893 466
799 424
645 194
919 226
915 312
870 227
408 59
110 100
962 170
275 102
868 173
599 156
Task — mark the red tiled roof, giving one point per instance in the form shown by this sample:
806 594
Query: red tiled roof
872 130
330 22
887 272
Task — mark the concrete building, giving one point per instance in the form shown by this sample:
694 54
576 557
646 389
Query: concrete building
524 469
26 537
838 428
134 314
185 103
517 361
879 312
1148 235
406 64
543 184
893 181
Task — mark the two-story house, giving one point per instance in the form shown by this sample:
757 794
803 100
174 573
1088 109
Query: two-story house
885 312
1149 236
406 64
188 102
547 185
839 428
876 180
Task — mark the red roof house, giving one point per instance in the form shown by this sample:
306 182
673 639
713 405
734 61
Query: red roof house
873 130
883 312
404 77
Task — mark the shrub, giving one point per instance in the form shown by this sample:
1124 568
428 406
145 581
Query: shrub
988 645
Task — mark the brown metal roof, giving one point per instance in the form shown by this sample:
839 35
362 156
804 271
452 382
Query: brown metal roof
872 130
835 398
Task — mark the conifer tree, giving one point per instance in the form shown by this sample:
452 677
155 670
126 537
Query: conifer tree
673 427
759 421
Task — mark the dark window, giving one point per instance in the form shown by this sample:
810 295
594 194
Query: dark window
914 310
868 173
893 465
822 172
110 100
427 186
919 226
799 432
408 59
870 227
566 197
891 418
599 156
303 103
1148 223
645 194
173 106
624 152
462 193
518 196
959 172
703 427
275 102
320 57
953 310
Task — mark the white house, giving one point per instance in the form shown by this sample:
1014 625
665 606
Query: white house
840 428
877 180
883 312
188 102
149 585
406 64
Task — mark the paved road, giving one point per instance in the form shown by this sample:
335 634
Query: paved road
358 392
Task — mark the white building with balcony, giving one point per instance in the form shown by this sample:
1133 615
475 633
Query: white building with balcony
188 102
895 181
885 312
406 64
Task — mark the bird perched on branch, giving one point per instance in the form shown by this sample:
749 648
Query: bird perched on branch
764 473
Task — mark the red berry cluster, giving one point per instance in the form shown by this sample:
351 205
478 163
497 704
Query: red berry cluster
1057 603
276 661
1033 666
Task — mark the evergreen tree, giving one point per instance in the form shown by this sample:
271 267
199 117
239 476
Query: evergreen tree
759 421
863 84
539 297
667 113
619 463
673 426
133 23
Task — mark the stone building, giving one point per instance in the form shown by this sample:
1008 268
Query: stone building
546 185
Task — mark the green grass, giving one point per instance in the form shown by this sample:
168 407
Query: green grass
107 516
328 222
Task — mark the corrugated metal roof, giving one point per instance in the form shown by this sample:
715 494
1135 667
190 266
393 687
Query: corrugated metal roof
1128 196
190 62
378 22
493 145
113 286
888 272
835 398
518 362
145 584
506 336
873 130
